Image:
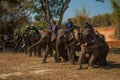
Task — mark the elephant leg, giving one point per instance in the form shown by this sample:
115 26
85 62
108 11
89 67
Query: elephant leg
81 56
45 54
30 52
102 62
94 56
55 57
73 57
91 61
79 65
69 53
58 48
39 51
25 49
65 55
51 53
35 52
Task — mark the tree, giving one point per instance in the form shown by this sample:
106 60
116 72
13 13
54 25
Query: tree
13 14
116 13
81 16
49 10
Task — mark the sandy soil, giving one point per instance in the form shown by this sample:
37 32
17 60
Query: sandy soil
108 32
18 66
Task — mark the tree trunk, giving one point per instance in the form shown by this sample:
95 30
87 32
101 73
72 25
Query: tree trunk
64 8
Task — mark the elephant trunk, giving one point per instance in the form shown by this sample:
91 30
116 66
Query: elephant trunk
58 44
81 57
35 44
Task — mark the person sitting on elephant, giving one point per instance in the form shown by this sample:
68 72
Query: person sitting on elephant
54 29
36 30
32 27
69 26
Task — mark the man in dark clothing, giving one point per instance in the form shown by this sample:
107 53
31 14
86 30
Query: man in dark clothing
32 27
54 29
36 30
69 26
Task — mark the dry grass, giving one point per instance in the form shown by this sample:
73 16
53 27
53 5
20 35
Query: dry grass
18 66
114 44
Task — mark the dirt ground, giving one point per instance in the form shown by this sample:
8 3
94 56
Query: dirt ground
107 32
18 66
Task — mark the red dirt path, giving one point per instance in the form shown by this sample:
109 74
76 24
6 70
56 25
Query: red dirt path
108 32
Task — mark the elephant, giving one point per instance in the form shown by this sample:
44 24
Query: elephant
93 48
30 38
49 44
69 43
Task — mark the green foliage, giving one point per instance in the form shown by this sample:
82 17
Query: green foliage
49 10
101 20
82 16
13 14
41 25
38 6
116 16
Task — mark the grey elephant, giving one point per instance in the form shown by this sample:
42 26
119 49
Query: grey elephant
93 48
49 43
68 43
29 38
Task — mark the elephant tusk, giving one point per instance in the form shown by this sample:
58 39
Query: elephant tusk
85 43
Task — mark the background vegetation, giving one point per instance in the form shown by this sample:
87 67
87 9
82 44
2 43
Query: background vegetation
16 14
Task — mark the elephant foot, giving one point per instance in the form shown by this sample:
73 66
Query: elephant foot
35 55
58 60
30 55
26 53
90 67
43 62
79 67
72 62
40 56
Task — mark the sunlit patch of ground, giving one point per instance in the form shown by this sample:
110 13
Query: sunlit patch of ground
18 66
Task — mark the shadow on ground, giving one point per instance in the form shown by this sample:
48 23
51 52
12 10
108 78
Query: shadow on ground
111 65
